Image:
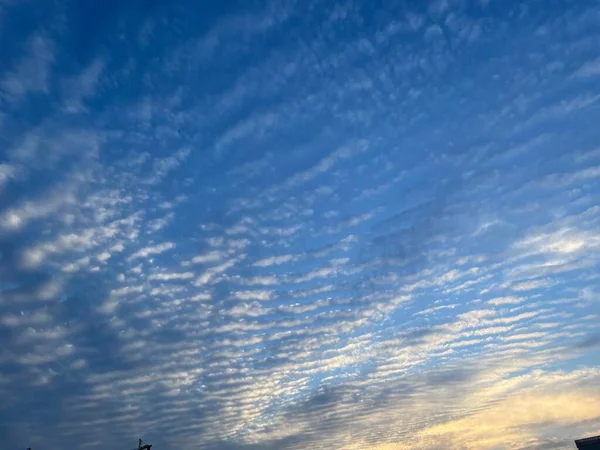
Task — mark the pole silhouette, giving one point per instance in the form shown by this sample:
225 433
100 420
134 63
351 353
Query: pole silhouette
142 446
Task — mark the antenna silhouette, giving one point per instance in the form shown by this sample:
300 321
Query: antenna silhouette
142 446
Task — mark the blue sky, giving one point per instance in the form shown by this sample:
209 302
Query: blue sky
299 224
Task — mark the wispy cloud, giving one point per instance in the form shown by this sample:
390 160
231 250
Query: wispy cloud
31 73
76 89
153 250
589 69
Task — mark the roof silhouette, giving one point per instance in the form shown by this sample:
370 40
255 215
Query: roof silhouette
589 443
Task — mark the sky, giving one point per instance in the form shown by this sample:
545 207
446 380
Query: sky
294 224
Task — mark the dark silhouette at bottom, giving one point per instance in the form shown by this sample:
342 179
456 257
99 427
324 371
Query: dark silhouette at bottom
591 443
142 446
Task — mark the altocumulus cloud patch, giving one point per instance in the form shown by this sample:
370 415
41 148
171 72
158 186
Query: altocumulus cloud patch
289 225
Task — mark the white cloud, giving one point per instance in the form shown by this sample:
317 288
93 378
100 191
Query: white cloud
104 256
17 217
434 32
322 272
328 162
35 256
163 166
510 300
203 296
589 69
212 256
117 248
255 126
491 330
565 241
7 172
524 336
171 276
266 280
75 90
49 144
274 260
126 290
531 285
211 274
253 295
32 72
167 290
73 266
158 224
38 317
154 250
434 309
